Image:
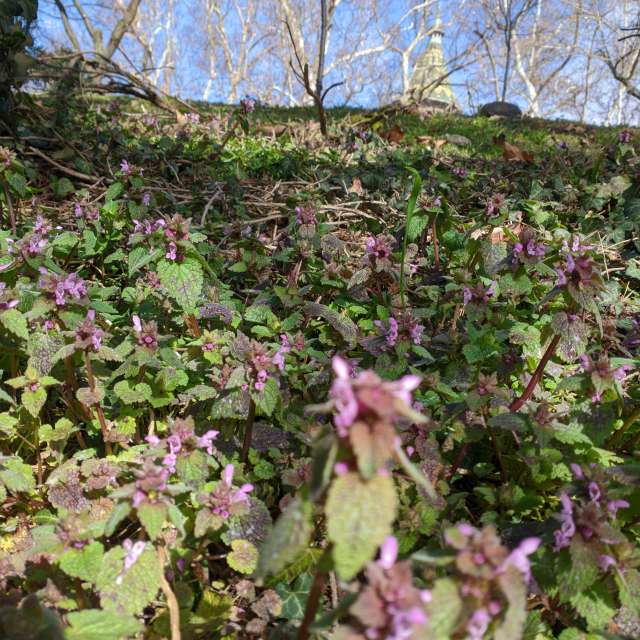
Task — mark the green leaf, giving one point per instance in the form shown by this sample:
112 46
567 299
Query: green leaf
445 608
33 401
62 188
83 563
509 421
416 226
183 281
261 314
243 556
152 517
596 606
343 325
267 398
582 569
18 183
130 392
15 322
514 589
359 517
294 598
140 257
114 190
17 476
128 593
96 624
288 538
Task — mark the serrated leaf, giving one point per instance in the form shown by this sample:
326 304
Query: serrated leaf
130 392
17 476
182 280
140 257
342 324
18 183
267 398
152 517
596 606
359 517
114 190
136 587
359 277
96 624
289 537
261 314
444 608
582 570
33 401
83 563
15 322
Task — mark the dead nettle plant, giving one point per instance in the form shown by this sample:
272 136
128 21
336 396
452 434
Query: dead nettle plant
315 91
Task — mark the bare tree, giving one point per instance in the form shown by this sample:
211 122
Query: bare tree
105 49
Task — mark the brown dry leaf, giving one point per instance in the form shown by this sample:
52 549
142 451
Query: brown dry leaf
429 141
395 134
497 235
478 233
356 187
510 152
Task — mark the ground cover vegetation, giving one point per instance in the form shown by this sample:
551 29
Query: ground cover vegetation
256 382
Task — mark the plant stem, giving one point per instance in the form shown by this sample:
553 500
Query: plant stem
12 213
172 601
312 604
436 248
496 448
458 459
36 445
248 432
101 419
629 421
517 404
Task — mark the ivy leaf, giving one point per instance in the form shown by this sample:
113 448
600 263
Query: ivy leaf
182 280
359 517
15 322
294 598
343 325
152 517
243 556
83 563
97 624
289 537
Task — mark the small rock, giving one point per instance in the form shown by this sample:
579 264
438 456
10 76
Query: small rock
504 109
460 141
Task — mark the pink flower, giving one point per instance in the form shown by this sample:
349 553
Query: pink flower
172 251
519 557
133 553
388 552
206 440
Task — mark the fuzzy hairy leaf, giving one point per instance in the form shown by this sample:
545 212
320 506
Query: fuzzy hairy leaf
359 517
182 280
15 322
343 325
243 556
83 563
97 624
445 608
289 537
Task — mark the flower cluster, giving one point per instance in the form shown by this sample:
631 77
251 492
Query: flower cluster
87 334
86 213
486 570
390 606
150 485
62 288
396 328
146 333
34 243
247 105
367 397
177 230
495 204
479 294
379 247
7 301
225 501
306 215
625 136
579 269
602 374
527 250
182 440
129 170
591 513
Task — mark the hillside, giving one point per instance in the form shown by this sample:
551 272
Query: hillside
240 363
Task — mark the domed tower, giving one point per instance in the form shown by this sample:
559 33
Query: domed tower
430 81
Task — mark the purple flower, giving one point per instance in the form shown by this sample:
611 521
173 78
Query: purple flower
478 624
205 441
6 301
224 498
390 333
134 551
146 199
305 215
59 288
172 251
87 334
624 136
461 172
519 557
367 394
388 552
567 525
605 562
126 168
247 105
614 505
